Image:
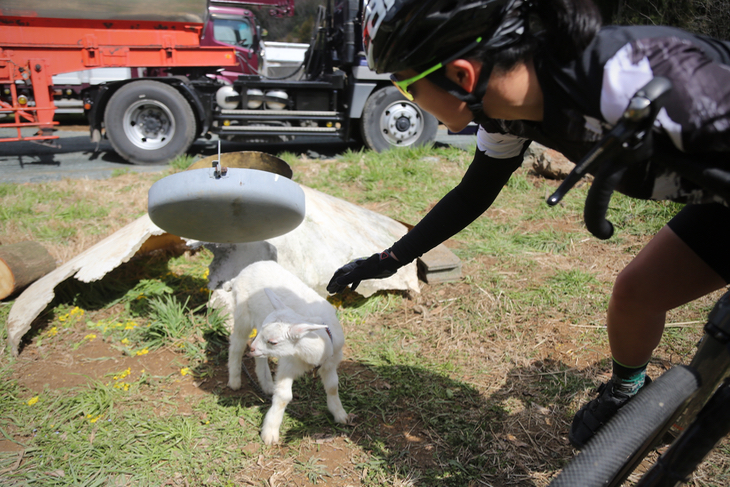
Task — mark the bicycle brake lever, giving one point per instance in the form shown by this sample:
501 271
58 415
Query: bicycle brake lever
629 133
608 144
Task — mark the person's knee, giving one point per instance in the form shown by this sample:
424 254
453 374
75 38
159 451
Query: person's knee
628 291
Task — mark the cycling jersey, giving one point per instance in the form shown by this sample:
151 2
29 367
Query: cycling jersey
585 98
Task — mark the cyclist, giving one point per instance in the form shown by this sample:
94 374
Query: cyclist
547 71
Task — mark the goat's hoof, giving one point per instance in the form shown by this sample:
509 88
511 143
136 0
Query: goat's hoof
342 418
235 385
270 438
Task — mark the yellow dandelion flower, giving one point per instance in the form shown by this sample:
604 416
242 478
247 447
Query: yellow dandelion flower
77 312
32 401
53 332
130 325
144 351
124 374
206 273
253 334
184 371
90 337
63 318
92 418
125 341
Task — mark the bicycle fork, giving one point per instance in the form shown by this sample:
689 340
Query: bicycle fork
694 444
711 361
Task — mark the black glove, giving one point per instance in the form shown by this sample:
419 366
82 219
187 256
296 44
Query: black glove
377 266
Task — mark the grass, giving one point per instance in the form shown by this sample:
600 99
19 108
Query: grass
471 382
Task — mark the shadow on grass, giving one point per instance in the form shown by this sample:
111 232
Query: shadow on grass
413 422
117 288
420 425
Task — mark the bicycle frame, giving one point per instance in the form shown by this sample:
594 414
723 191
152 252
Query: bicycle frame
690 449
711 361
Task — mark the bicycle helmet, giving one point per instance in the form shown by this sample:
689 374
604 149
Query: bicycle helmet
401 34
419 34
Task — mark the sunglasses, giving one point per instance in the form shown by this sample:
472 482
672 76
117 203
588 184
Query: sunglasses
404 84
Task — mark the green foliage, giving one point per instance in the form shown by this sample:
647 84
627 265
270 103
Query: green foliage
412 178
120 172
37 210
169 322
562 291
182 162
708 17
640 217
104 435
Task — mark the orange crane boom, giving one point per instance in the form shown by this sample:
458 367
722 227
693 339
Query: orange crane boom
34 48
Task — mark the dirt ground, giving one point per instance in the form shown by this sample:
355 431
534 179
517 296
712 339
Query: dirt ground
507 367
530 439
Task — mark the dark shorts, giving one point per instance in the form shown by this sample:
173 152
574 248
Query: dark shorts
706 230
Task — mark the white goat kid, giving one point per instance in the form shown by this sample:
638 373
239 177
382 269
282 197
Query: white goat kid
295 325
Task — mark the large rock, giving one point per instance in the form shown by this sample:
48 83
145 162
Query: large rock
333 233
551 164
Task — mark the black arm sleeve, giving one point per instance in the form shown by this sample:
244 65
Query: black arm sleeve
481 184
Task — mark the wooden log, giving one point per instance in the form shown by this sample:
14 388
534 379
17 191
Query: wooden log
21 264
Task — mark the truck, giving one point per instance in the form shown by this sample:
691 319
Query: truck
229 24
204 91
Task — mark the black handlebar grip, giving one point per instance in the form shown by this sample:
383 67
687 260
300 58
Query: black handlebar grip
655 91
599 196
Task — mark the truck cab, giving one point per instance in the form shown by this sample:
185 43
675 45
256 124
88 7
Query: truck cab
234 27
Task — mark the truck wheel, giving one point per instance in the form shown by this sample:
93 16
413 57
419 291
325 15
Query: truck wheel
148 122
389 120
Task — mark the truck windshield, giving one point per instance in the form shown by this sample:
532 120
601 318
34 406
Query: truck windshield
233 32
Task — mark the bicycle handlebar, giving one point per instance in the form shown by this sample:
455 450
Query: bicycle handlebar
631 139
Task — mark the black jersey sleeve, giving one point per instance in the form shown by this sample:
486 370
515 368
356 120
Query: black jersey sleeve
478 189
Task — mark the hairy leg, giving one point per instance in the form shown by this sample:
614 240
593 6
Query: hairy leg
235 356
664 275
328 374
272 420
263 374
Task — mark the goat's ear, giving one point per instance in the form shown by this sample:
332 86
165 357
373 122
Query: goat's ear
275 300
301 329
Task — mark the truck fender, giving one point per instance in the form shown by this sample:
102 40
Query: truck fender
197 104
360 94
99 96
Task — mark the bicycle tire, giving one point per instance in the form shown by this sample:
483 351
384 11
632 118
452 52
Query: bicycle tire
622 443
